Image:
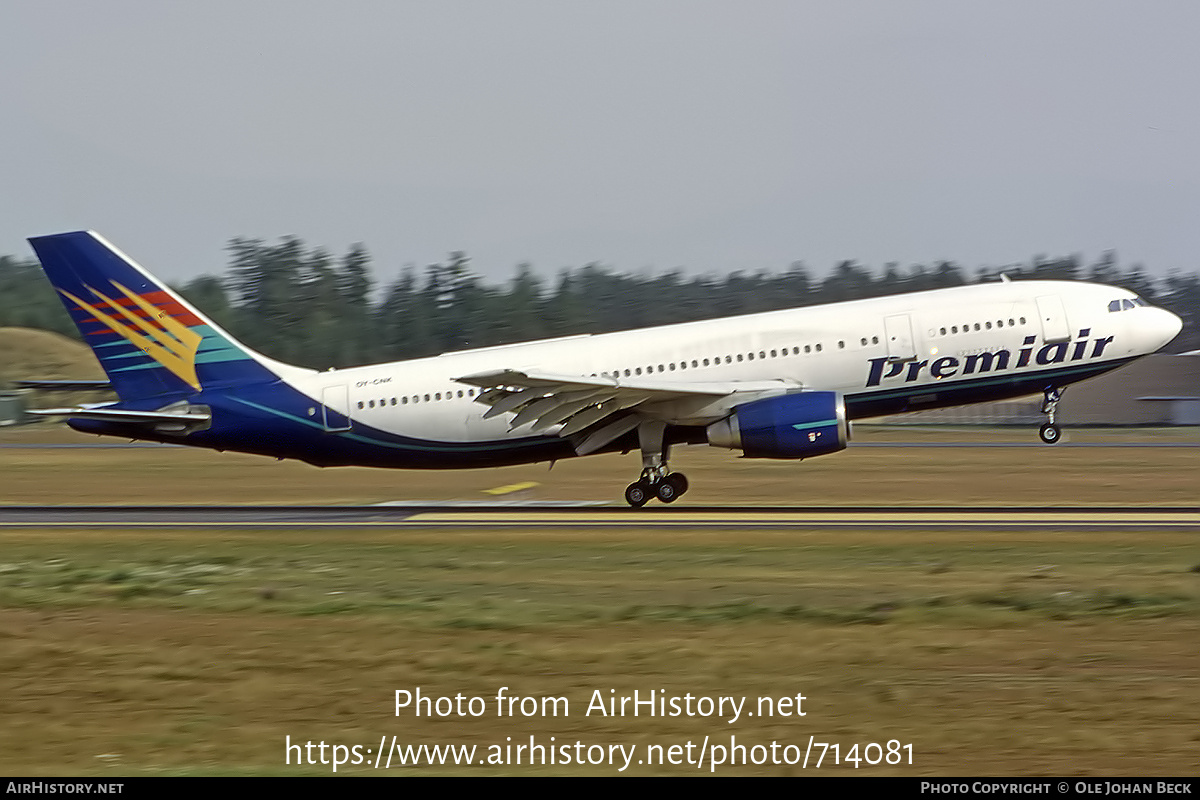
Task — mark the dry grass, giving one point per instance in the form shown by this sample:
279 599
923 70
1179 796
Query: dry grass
998 653
199 651
30 353
189 692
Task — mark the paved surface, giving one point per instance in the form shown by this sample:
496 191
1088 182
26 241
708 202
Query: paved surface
654 516
1033 442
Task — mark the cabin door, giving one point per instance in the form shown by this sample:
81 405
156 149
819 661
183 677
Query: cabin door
900 344
335 408
1055 327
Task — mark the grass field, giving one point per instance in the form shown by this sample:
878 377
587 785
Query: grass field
198 651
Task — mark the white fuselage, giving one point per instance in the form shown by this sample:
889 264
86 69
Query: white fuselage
889 353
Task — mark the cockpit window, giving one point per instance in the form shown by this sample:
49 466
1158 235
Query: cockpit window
1125 304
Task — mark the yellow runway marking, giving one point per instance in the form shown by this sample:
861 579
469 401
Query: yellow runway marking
512 487
1107 519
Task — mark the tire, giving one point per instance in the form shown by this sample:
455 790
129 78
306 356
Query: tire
667 490
1050 434
637 494
681 482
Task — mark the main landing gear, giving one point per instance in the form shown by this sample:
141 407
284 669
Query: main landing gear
1051 433
657 480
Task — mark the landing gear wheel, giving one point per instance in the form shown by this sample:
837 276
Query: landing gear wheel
637 494
1050 433
679 483
668 489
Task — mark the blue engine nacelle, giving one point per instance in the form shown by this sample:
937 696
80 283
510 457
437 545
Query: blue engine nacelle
799 425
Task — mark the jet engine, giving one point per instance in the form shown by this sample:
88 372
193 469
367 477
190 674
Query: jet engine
800 425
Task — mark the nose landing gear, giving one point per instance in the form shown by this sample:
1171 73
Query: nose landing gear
1050 433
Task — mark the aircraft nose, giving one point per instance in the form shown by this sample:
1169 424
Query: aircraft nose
1166 325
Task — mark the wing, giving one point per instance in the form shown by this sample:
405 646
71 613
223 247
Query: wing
594 411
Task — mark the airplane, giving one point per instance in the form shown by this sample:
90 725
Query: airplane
780 384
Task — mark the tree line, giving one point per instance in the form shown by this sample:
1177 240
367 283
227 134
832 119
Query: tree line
302 305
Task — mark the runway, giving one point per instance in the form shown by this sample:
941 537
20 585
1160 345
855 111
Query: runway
857 445
471 516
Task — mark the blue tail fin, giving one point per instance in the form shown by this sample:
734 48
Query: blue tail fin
150 341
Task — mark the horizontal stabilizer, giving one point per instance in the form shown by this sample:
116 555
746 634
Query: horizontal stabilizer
127 415
64 386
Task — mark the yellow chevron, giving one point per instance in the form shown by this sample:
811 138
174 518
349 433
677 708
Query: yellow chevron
174 345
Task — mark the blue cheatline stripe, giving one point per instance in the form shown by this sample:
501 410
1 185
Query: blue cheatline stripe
1018 377
418 445
221 357
823 423
153 365
118 343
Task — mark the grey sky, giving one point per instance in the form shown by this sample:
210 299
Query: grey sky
647 135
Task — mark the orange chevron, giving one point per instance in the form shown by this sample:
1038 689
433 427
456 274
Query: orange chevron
160 301
173 345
